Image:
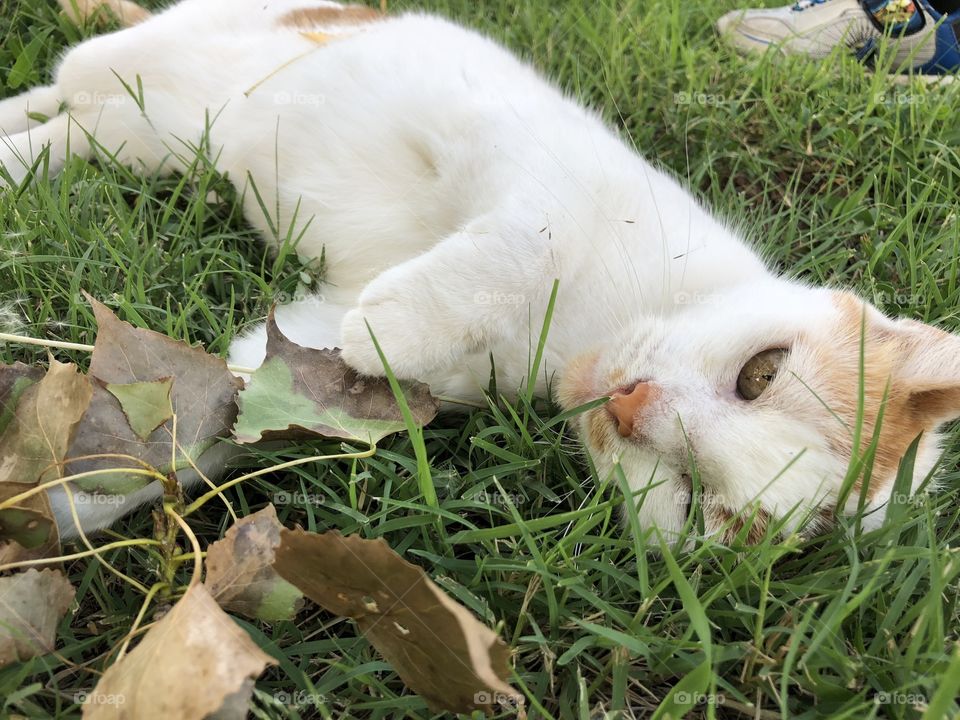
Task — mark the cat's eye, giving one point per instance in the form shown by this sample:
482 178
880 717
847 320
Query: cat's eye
758 372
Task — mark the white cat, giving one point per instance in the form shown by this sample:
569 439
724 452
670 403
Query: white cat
448 185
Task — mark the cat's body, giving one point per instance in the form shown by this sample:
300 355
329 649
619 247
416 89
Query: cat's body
383 162
447 186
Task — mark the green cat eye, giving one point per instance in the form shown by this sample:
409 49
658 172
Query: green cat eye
758 372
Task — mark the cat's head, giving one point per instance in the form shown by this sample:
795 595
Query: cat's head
756 392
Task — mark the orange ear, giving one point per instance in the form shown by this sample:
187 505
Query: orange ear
927 369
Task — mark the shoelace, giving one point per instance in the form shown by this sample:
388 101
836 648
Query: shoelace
802 5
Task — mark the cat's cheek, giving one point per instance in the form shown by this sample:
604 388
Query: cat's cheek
578 384
596 430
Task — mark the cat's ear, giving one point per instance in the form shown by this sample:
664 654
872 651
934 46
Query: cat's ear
926 369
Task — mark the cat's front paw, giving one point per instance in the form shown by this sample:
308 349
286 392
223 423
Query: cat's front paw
412 348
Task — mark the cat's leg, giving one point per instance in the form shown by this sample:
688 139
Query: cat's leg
18 152
15 111
128 13
470 291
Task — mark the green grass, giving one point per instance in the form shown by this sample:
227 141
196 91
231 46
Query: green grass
840 176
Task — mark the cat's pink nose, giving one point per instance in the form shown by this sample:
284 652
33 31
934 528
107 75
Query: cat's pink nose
626 403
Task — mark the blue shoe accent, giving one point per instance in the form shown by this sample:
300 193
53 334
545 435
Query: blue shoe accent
890 20
864 53
946 58
755 39
899 18
799 7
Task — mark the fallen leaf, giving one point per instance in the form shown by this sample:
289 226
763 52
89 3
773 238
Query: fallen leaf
27 526
37 437
146 404
27 530
31 606
187 665
14 379
301 392
202 396
32 448
439 649
240 574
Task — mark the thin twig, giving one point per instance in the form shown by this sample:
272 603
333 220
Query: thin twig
8 337
63 345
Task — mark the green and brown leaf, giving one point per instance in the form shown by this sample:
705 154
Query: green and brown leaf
301 393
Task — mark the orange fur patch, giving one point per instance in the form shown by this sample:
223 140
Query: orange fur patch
577 384
308 18
599 425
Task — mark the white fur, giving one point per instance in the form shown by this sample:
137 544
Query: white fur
448 185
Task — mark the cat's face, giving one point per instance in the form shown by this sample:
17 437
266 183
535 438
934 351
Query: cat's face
756 391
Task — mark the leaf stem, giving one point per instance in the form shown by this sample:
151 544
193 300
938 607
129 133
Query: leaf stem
83 536
197 552
76 556
12 501
139 619
198 503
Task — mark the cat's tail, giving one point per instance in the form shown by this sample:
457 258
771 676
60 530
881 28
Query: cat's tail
82 11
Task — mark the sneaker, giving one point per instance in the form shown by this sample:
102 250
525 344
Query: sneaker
925 44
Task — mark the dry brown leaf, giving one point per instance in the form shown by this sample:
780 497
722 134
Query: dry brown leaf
185 667
14 379
32 447
28 530
240 574
439 649
31 605
46 415
301 392
203 398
